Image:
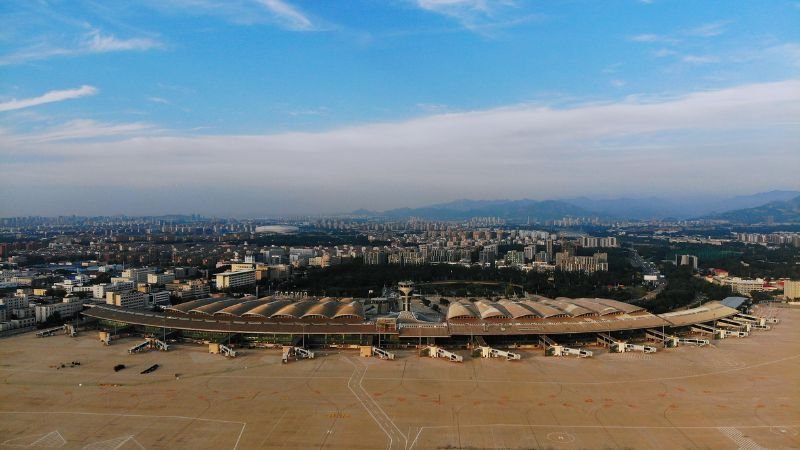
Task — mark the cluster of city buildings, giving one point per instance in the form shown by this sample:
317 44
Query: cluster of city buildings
783 238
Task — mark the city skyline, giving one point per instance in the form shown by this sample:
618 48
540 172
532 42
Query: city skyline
281 107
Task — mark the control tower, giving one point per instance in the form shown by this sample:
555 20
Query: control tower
405 288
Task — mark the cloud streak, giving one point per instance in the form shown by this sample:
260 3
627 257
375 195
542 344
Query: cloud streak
49 97
655 145
479 16
288 15
93 42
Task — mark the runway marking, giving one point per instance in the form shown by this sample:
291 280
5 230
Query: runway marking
389 430
145 416
611 427
52 439
113 444
596 383
740 439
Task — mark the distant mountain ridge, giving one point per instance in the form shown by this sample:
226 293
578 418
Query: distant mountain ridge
620 208
507 209
778 212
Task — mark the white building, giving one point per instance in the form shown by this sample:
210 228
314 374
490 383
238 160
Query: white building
65 309
227 280
160 279
127 299
138 275
158 298
791 289
100 290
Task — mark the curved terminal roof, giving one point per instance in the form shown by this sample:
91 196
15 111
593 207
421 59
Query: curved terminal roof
571 308
293 310
462 310
596 307
518 310
491 310
539 308
622 306
349 310
211 308
266 310
241 308
323 309
184 308
543 310
705 313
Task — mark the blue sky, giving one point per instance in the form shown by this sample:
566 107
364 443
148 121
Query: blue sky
254 107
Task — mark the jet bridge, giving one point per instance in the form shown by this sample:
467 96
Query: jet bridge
49 332
552 348
381 353
735 325
140 347
433 351
371 350
614 346
149 344
753 320
716 333
221 349
69 330
296 353
694 341
667 340
485 351
639 348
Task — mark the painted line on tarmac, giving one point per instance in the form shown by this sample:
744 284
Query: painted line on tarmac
590 427
145 416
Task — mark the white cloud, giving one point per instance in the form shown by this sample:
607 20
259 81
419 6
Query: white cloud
665 144
288 15
160 100
706 30
100 43
788 52
478 15
696 59
85 129
244 12
92 42
49 97
617 83
645 38
710 29
664 52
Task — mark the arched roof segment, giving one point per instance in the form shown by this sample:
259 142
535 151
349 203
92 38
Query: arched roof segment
241 308
491 310
543 310
211 308
517 310
462 310
267 309
349 309
185 307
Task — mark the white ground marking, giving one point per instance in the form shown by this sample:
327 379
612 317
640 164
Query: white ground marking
375 411
146 416
740 439
593 383
52 439
605 427
113 444
561 437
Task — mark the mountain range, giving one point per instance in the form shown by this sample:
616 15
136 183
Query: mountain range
787 211
747 208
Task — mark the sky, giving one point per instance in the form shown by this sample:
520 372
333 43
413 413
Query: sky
258 108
